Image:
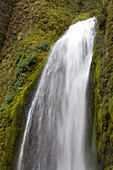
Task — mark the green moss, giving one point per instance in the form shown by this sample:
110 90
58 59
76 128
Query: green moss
109 168
15 119
102 73
12 120
83 16
34 27
24 54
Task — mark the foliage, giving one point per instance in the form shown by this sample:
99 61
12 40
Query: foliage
102 73
109 168
35 25
101 11
38 25
82 17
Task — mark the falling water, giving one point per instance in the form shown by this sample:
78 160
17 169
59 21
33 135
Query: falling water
54 137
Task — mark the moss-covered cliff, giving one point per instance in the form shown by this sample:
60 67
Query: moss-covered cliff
34 26
102 69
5 14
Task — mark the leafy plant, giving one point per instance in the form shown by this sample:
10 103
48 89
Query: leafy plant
101 11
42 46
9 97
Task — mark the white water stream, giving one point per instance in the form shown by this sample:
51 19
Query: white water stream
54 137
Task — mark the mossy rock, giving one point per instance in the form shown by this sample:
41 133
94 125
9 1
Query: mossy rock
24 55
83 16
103 88
109 168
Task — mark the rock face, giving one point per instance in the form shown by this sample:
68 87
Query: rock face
31 31
102 70
5 13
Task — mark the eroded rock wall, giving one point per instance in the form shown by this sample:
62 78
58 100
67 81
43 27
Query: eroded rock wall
5 14
102 70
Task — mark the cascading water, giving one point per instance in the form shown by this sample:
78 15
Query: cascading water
54 137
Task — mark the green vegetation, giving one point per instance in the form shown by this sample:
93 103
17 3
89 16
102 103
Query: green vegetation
35 26
109 168
102 68
83 16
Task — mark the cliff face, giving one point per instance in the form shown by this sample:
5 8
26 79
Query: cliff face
5 14
34 26
102 69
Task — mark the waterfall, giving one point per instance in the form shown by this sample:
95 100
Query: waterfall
54 137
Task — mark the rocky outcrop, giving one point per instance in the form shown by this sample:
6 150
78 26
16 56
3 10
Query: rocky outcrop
5 14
